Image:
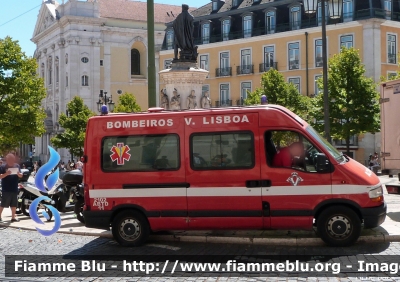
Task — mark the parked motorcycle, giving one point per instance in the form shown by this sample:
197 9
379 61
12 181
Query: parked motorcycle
28 192
72 180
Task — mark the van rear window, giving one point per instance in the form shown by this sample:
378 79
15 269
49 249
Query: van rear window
140 153
222 150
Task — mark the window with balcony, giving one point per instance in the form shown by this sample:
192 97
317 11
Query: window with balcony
204 62
391 43
295 18
346 41
224 96
170 39
269 61
167 64
135 62
348 10
316 88
270 22
206 33
319 13
294 55
296 82
224 68
85 80
247 20
245 87
318 53
246 66
387 6
226 26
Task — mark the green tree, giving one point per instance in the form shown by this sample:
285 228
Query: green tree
127 104
354 100
279 92
21 95
74 126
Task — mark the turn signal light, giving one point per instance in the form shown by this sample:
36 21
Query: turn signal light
377 199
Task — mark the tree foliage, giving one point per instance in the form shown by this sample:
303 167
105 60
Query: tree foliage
21 95
127 104
279 92
74 126
354 100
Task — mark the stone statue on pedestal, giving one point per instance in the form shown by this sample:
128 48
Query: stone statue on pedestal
175 101
184 39
164 103
191 101
205 102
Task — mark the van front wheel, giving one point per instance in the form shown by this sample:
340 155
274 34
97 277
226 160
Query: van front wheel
339 226
130 228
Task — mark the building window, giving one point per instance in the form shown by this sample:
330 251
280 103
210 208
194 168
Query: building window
246 66
346 41
167 64
212 153
247 26
235 3
85 80
204 62
268 58
66 59
391 42
85 60
156 152
170 39
347 10
319 13
101 63
214 5
205 88
244 88
392 75
42 70
226 26
295 18
387 5
224 95
50 70
224 64
318 53
270 22
206 33
57 63
66 80
316 88
294 54
296 82
135 62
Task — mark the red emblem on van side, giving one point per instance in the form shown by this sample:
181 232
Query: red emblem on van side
120 153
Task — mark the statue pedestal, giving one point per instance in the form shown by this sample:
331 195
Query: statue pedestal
184 77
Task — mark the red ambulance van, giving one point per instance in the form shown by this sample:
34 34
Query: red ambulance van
214 169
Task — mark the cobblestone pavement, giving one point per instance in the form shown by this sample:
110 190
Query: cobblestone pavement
22 242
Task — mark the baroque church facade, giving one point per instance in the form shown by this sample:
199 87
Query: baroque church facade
93 48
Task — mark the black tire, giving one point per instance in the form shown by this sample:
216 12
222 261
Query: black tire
339 226
78 210
130 228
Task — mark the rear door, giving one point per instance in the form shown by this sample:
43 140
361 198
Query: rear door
223 171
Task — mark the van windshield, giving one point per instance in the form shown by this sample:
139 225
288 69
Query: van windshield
324 143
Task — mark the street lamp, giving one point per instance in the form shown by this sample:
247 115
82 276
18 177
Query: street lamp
104 100
335 12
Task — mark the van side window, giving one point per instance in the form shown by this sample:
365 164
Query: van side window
222 150
290 149
140 153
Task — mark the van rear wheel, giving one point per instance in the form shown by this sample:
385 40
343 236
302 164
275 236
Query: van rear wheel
130 228
339 226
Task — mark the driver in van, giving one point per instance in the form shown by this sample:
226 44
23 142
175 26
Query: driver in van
287 156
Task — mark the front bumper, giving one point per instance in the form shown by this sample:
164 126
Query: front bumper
373 217
97 219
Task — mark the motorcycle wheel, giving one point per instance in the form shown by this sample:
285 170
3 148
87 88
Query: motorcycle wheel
49 213
78 210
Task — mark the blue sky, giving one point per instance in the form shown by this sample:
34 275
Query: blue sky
20 26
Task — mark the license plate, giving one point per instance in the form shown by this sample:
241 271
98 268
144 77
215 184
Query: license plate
20 194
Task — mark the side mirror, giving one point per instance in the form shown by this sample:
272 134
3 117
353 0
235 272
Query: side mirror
322 163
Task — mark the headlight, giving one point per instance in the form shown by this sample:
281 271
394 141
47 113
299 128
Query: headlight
376 193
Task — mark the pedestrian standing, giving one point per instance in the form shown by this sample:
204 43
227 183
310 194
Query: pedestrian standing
9 183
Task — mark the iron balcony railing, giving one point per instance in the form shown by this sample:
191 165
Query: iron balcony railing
223 72
245 69
267 66
240 102
223 103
